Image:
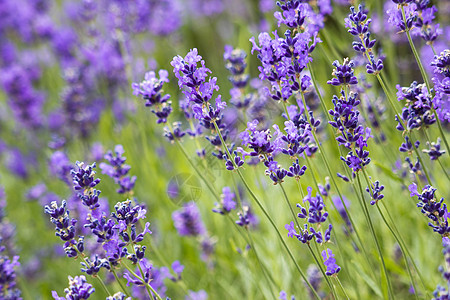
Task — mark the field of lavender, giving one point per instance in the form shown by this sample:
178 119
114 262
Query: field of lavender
224 149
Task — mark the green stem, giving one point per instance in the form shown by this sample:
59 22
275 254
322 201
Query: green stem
103 285
118 281
252 244
369 219
342 287
208 185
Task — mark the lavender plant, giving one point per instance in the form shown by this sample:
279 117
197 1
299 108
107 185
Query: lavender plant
255 165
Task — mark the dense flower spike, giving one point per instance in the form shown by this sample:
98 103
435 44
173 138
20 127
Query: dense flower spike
434 151
314 215
227 203
441 67
330 263
78 289
188 220
118 170
352 135
8 285
418 110
375 192
283 60
358 26
344 73
435 210
151 91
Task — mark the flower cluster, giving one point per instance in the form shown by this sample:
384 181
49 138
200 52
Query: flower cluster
419 19
227 203
315 215
188 220
442 293
435 210
344 74
150 89
358 26
283 60
236 64
434 151
198 91
330 263
441 79
374 191
118 170
78 288
352 135
8 285
418 110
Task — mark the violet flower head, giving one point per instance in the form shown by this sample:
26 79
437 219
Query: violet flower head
118 296
78 288
375 192
344 73
227 203
200 295
396 16
441 80
417 111
150 89
330 263
8 285
434 151
83 178
188 220
358 26
434 209
292 14
118 170
283 59
247 217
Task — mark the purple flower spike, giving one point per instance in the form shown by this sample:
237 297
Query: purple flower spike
78 289
330 263
188 220
344 73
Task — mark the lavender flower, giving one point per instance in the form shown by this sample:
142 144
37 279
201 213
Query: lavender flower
314 216
434 150
118 170
330 262
435 210
227 203
188 221
352 135
78 289
151 91
8 285
418 110
358 26
375 192
441 82
344 73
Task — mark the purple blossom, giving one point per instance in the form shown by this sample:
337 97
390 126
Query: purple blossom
78 289
188 220
151 91
330 263
227 202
